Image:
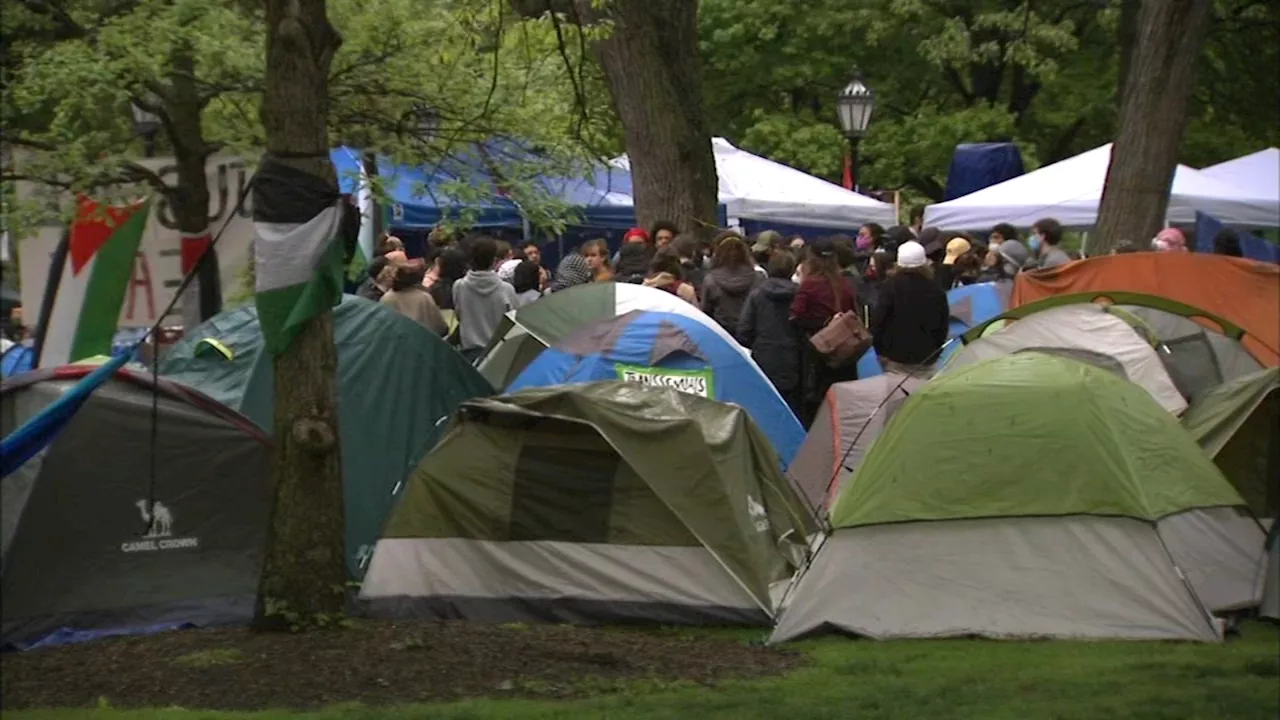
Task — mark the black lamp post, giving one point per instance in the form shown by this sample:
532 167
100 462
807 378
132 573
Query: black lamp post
146 125
854 105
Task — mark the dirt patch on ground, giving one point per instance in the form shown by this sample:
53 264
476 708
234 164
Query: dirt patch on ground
372 662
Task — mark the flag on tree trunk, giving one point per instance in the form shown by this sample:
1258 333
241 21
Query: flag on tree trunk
300 226
102 244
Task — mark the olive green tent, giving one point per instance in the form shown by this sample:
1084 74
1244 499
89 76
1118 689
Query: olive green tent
397 386
1238 424
599 502
1031 495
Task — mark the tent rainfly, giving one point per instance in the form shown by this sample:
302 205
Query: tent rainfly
1099 518
601 502
93 545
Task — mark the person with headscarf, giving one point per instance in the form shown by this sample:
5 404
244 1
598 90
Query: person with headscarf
573 270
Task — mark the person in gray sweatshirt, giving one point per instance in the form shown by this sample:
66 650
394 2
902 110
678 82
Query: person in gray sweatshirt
481 299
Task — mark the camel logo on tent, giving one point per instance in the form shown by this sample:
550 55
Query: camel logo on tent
758 513
158 518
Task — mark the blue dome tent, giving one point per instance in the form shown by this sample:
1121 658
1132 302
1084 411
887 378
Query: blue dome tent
658 348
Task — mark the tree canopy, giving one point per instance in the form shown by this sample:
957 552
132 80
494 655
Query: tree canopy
472 67
1040 74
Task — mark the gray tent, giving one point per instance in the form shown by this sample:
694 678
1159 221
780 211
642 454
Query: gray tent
848 422
85 550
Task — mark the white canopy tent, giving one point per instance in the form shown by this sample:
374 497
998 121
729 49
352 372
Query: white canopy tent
1254 176
1071 190
756 188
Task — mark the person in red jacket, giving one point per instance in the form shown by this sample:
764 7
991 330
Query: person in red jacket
824 291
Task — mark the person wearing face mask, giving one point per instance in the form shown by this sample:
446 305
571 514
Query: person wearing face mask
870 238
1046 235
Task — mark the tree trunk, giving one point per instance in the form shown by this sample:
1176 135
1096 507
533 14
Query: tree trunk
190 198
1127 37
304 573
650 59
1153 116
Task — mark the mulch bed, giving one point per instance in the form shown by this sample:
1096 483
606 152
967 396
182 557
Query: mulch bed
371 662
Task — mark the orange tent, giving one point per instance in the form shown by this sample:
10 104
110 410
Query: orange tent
1243 291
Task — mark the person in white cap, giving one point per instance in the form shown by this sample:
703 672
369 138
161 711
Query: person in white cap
909 323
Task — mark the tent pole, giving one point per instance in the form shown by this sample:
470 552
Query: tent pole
52 282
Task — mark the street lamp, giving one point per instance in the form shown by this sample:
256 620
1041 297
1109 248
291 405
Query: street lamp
854 105
146 125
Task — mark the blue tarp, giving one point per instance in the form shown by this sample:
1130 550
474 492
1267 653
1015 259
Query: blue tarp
975 166
422 196
1254 247
669 349
971 305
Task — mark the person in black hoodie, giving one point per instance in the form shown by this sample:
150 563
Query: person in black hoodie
765 327
911 318
725 289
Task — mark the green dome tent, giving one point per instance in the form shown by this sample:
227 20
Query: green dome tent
397 385
1030 495
594 502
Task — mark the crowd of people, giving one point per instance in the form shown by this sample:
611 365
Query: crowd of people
772 293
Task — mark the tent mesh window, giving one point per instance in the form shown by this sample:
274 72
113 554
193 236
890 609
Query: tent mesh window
1192 364
563 493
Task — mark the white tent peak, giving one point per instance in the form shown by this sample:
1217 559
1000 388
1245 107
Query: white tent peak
1070 191
1254 175
752 187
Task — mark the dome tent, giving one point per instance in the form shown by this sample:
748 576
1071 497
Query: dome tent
658 348
1242 292
573 504
1238 424
1081 525
1174 350
526 332
397 384
86 554
851 417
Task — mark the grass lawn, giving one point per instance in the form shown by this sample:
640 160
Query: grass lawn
914 680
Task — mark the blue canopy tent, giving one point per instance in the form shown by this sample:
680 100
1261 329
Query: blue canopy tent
421 196
1253 247
975 166
658 348
971 305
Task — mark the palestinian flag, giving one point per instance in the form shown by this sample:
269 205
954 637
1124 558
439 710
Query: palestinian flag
102 244
302 228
